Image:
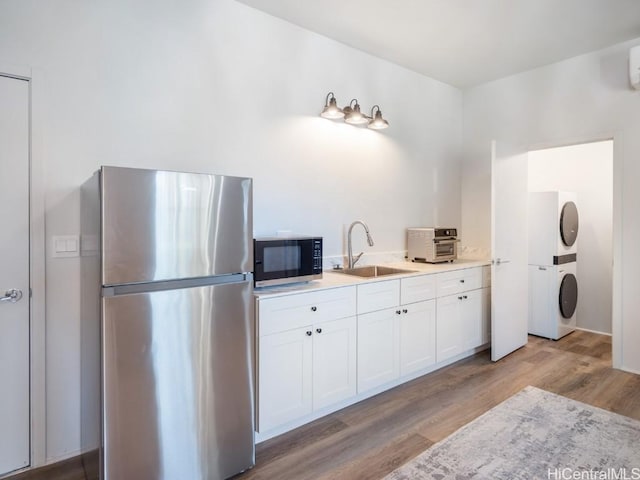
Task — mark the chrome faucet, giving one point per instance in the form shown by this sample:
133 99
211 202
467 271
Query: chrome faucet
352 261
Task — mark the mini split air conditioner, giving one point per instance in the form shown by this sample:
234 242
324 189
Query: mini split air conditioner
634 67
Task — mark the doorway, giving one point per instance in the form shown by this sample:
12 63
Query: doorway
14 274
587 170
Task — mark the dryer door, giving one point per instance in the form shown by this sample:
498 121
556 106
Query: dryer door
568 296
569 224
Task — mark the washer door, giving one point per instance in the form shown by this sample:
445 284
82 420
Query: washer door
569 223
568 297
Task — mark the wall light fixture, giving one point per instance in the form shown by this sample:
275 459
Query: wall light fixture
352 114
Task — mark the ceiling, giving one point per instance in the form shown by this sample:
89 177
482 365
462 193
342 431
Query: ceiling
466 42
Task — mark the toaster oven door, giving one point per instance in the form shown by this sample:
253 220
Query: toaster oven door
445 249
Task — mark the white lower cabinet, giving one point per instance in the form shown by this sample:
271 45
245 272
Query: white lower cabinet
334 361
417 336
472 325
305 369
378 361
323 348
285 382
448 327
396 341
461 323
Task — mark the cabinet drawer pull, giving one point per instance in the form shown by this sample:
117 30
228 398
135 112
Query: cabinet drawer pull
309 333
459 298
319 330
398 312
465 297
404 310
313 309
462 281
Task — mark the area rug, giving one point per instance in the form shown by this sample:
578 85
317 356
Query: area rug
534 435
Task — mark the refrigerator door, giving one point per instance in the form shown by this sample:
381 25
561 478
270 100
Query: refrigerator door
159 225
178 383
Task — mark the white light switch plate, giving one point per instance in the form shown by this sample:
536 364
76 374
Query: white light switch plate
65 246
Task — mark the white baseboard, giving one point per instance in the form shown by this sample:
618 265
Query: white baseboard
593 331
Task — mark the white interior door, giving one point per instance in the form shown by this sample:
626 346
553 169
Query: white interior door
14 274
509 249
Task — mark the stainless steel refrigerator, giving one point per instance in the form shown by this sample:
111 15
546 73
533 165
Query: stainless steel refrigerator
177 325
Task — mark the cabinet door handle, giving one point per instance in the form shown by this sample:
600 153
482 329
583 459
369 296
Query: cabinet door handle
398 312
462 281
465 297
313 309
459 298
309 333
319 330
404 310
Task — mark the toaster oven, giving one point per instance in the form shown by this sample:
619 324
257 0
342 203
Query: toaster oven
432 245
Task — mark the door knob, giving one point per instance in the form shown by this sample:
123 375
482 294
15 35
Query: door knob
11 296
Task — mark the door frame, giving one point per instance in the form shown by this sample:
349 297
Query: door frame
618 162
37 300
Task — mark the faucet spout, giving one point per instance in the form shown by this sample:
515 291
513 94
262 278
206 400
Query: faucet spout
350 257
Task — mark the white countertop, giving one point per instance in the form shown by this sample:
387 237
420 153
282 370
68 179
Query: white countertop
333 279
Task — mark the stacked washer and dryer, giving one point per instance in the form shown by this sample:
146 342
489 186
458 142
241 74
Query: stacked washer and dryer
553 289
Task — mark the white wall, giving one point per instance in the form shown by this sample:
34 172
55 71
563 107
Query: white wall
580 99
586 169
213 85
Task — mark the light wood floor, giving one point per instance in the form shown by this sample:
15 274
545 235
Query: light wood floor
373 437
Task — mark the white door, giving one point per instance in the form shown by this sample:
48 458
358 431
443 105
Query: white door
417 336
471 319
509 251
285 383
14 274
378 361
448 327
334 361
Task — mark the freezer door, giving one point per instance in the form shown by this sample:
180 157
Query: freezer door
178 383
159 225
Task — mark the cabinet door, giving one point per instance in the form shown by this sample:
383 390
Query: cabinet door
448 327
471 318
334 361
377 348
417 336
284 377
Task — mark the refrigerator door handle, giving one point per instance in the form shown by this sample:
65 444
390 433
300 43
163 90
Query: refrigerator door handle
114 290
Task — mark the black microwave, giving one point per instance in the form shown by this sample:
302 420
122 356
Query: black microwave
286 260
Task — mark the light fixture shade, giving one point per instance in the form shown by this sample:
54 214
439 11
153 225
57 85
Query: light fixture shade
355 117
331 110
377 122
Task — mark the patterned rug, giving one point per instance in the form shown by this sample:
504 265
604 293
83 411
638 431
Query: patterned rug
534 435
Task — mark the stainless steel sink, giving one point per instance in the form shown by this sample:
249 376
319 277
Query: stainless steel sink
372 271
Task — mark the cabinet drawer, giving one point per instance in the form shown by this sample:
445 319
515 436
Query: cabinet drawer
417 289
456 281
295 311
378 295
